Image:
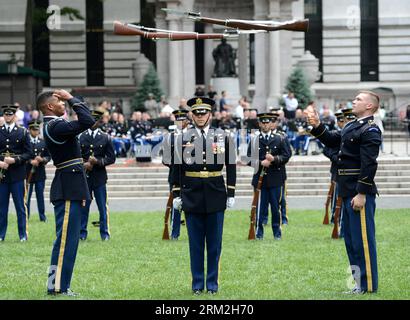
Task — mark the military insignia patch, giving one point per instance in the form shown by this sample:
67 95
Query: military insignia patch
198 101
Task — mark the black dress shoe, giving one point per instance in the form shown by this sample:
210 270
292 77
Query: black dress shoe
68 293
23 239
83 238
197 292
212 292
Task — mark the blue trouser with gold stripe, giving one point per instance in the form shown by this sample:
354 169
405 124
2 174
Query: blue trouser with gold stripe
360 241
39 188
67 214
272 196
100 195
283 205
17 191
205 228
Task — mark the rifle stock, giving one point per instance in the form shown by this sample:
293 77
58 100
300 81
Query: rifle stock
297 25
165 234
335 232
252 235
328 200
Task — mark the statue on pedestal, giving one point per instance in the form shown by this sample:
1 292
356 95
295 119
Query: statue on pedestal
224 56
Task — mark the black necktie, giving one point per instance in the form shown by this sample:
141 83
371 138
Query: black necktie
8 130
203 139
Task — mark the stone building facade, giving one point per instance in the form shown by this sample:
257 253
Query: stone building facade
263 63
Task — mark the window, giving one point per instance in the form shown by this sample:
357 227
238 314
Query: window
314 38
252 58
369 40
95 43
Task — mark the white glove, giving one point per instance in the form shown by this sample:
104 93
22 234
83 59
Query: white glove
230 202
177 203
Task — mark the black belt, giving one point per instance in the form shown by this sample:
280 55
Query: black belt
69 163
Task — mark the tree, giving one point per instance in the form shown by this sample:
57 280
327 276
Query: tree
298 84
150 84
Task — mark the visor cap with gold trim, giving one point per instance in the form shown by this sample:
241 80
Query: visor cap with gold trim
348 113
8 109
266 117
97 113
201 105
339 115
34 124
180 114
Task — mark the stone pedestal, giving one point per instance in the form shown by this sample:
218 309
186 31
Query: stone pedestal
231 86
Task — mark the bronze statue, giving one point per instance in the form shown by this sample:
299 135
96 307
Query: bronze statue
224 56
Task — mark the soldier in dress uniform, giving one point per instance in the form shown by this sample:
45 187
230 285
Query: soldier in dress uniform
14 152
359 143
97 150
69 189
278 127
182 123
273 152
200 191
36 170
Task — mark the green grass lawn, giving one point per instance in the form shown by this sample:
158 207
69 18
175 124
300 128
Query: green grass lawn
137 264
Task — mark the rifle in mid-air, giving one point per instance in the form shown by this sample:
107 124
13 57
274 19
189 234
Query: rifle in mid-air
129 29
267 25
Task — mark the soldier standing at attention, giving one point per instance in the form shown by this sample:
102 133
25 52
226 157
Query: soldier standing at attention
36 170
14 152
199 189
97 150
274 153
359 143
69 189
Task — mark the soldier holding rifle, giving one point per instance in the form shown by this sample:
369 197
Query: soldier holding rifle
14 152
359 143
182 122
273 152
36 170
97 150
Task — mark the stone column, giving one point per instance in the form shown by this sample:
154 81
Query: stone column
274 57
261 55
285 42
187 61
162 51
209 60
243 64
174 76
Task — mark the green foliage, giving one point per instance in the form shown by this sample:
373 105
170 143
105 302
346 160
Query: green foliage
137 264
150 84
298 84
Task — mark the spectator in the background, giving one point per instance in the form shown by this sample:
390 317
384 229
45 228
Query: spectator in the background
27 115
151 105
118 107
166 111
216 119
211 92
223 105
19 114
226 121
182 104
291 104
327 119
408 118
238 111
199 91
